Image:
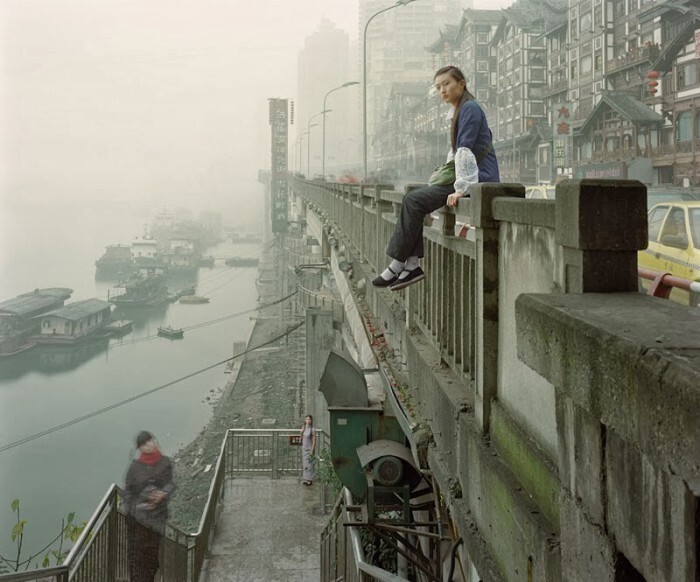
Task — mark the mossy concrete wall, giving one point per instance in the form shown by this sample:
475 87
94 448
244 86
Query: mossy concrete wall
557 454
627 373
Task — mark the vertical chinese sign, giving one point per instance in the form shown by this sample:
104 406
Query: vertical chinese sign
279 119
561 119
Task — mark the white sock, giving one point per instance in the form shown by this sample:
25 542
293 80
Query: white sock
412 263
391 271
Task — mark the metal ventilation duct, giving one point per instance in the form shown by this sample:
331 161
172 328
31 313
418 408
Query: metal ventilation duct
342 382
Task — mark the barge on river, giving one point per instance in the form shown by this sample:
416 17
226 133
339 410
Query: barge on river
171 332
144 289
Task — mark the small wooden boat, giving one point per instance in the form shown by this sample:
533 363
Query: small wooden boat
171 332
194 299
119 326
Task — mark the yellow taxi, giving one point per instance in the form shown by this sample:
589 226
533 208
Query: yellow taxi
541 191
674 240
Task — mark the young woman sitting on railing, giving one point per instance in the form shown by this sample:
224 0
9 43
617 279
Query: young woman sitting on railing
473 160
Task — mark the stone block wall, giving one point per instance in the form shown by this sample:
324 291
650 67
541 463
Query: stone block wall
538 435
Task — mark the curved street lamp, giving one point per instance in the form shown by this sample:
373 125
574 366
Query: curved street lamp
301 142
364 79
323 155
308 144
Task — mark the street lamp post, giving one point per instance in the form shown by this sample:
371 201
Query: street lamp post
306 132
323 154
364 79
308 143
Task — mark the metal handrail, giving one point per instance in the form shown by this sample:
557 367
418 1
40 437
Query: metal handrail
663 283
84 536
358 568
101 521
58 573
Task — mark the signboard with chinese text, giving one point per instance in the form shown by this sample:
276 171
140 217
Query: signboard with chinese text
562 117
697 44
279 120
611 171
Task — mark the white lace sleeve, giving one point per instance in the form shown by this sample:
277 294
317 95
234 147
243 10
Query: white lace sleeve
466 170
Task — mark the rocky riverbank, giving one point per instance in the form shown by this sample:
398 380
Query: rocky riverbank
258 388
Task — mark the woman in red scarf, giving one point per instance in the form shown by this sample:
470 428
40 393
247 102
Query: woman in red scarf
149 485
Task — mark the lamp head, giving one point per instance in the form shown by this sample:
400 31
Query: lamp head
404 2
351 83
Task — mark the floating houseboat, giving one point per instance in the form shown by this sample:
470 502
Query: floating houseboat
18 317
74 322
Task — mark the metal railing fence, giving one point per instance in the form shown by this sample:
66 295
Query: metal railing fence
99 555
342 554
309 298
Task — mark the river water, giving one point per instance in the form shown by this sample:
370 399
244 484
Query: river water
70 469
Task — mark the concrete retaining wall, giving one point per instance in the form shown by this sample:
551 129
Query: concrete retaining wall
557 455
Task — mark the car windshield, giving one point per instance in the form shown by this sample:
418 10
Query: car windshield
655 197
694 216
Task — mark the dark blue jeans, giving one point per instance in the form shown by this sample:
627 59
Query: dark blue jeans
407 240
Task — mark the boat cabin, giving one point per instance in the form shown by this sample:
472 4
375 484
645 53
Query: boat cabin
75 320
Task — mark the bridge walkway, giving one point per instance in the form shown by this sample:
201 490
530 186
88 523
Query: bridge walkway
269 530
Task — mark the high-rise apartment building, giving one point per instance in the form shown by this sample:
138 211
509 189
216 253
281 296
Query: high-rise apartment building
396 42
324 64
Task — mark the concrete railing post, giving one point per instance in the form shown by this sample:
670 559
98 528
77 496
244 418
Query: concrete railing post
380 244
361 244
600 226
487 294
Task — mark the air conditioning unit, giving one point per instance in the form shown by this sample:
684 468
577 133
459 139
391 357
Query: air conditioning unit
573 94
598 42
598 87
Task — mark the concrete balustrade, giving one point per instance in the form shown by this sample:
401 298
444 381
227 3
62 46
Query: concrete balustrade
566 440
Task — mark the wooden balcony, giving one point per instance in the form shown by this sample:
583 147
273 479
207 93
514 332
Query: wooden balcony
556 87
634 57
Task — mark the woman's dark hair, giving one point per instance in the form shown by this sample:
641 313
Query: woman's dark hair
142 438
457 75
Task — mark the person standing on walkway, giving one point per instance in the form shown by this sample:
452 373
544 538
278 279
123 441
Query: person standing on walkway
149 486
474 161
308 447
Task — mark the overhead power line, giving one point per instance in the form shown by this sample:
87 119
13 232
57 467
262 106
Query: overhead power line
74 421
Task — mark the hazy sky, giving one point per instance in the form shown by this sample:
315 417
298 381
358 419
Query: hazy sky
147 100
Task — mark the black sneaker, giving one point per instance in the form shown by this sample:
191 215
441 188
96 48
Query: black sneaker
382 282
412 277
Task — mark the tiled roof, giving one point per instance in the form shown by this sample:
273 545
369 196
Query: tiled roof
536 14
29 303
79 309
627 106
